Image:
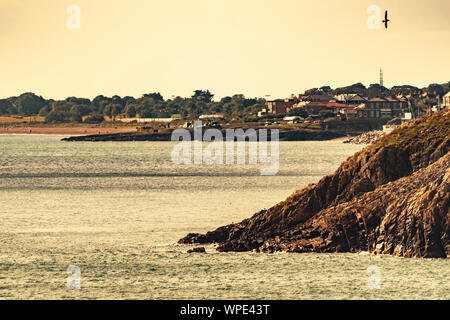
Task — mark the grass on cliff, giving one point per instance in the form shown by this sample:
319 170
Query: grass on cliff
437 126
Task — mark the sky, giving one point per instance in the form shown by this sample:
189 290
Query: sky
258 48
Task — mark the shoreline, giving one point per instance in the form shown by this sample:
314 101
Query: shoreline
341 139
62 130
126 133
166 135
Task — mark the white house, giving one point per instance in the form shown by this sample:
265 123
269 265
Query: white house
446 101
146 120
351 98
210 117
293 119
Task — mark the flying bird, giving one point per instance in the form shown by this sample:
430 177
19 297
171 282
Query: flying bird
386 20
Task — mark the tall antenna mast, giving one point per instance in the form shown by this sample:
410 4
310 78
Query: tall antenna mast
411 110
381 78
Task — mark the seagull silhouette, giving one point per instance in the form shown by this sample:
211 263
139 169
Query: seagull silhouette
386 20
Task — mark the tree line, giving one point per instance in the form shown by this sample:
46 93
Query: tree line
376 90
153 105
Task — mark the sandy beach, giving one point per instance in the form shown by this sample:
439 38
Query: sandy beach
63 130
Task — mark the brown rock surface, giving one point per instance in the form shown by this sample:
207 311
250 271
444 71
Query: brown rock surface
391 197
197 250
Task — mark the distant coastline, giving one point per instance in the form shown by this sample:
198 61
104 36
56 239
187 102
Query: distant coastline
64 130
285 135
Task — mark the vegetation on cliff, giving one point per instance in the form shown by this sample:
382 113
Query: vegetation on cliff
391 197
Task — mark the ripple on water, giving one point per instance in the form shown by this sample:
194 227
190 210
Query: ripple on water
117 210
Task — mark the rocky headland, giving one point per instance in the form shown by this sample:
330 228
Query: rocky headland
392 197
284 135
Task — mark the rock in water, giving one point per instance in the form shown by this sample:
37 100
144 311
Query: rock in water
197 250
393 197
366 138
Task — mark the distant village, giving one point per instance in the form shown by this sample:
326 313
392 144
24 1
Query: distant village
355 112
323 108
352 106
337 107
350 109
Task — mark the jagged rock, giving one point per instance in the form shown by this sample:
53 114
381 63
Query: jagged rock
391 197
197 250
366 138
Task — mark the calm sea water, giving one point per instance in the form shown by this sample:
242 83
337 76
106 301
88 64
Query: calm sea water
116 211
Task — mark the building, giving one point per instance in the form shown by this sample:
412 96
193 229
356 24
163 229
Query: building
316 107
279 106
446 101
335 107
211 117
351 98
293 119
348 110
145 120
382 108
275 107
318 98
350 113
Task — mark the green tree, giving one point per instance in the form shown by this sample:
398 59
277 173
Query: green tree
156 96
79 100
62 116
130 110
299 112
146 113
312 91
5 106
116 109
94 118
325 89
376 90
357 88
29 103
435 90
326 114
203 96
44 111
81 109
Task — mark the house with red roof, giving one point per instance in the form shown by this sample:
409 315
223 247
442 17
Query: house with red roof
382 108
279 106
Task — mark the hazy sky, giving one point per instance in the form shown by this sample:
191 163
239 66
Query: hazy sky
254 47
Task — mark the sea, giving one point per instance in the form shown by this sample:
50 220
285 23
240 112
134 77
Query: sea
101 220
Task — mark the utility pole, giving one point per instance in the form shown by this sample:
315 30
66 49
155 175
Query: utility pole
411 110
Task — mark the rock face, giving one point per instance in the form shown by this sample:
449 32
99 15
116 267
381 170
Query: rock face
366 138
393 197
